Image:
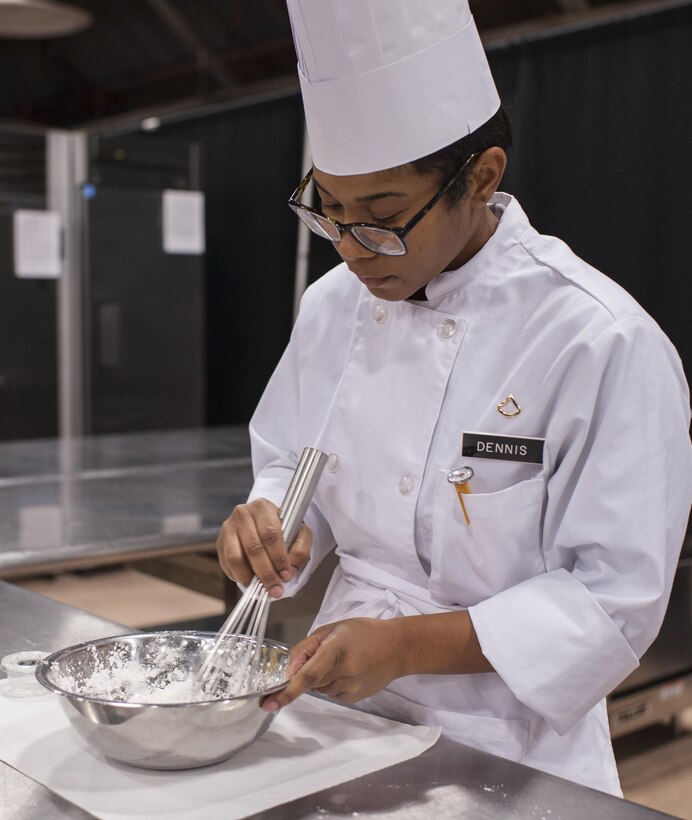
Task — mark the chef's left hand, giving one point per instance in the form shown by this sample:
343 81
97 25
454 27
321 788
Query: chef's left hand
349 660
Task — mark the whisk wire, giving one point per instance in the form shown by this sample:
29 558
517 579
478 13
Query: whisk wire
237 648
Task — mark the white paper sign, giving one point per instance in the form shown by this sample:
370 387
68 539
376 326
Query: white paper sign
183 222
37 244
181 523
40 526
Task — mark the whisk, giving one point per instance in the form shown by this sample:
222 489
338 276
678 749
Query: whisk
237 649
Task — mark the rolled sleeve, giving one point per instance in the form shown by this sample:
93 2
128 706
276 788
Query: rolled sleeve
553 645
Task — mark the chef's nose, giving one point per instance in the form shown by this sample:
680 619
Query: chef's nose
350 249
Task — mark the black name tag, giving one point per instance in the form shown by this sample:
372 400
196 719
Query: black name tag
505 448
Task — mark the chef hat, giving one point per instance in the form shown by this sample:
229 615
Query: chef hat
385 82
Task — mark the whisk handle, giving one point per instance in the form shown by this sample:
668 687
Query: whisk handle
300 491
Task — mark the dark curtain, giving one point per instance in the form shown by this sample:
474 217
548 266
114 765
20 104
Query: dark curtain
603 131
250 162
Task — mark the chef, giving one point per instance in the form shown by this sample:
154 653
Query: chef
510 472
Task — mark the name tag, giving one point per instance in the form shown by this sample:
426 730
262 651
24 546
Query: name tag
504 448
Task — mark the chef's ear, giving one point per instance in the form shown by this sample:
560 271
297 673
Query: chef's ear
486 176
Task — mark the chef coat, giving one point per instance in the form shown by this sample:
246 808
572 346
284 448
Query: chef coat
566 564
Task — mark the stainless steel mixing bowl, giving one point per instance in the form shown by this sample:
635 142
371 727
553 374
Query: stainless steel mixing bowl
159 735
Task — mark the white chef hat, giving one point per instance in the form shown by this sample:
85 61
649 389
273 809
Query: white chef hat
385 82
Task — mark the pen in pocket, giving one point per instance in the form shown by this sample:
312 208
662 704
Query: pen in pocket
459 479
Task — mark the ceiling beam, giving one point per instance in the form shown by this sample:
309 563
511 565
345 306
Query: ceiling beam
182 110
257 65
179 26
571 6
557 24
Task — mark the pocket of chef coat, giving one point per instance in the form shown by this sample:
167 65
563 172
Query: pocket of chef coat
500 547
501 736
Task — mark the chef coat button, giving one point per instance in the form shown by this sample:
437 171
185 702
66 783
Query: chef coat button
333 463
447 329
379 313
405 485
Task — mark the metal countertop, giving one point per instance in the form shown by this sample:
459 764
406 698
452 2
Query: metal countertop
104 499
447 781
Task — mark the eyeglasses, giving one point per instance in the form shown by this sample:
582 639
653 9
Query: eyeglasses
388 241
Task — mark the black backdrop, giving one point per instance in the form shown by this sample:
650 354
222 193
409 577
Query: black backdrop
602 159
250 164
603 151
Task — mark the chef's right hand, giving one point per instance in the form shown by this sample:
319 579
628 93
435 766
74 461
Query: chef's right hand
250 543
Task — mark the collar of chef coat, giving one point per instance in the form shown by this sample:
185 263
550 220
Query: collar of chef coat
511 228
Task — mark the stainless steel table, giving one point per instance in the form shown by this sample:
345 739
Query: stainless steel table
447 781
96 500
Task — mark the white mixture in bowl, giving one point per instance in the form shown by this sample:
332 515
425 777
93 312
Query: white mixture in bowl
162 675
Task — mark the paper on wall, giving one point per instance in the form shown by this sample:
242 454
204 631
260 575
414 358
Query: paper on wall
183 222
37 244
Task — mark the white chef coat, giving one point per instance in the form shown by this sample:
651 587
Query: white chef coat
566 566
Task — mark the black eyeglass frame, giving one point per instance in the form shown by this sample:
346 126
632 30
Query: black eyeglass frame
400 233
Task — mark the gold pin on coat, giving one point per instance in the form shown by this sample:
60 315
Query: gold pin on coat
509 407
